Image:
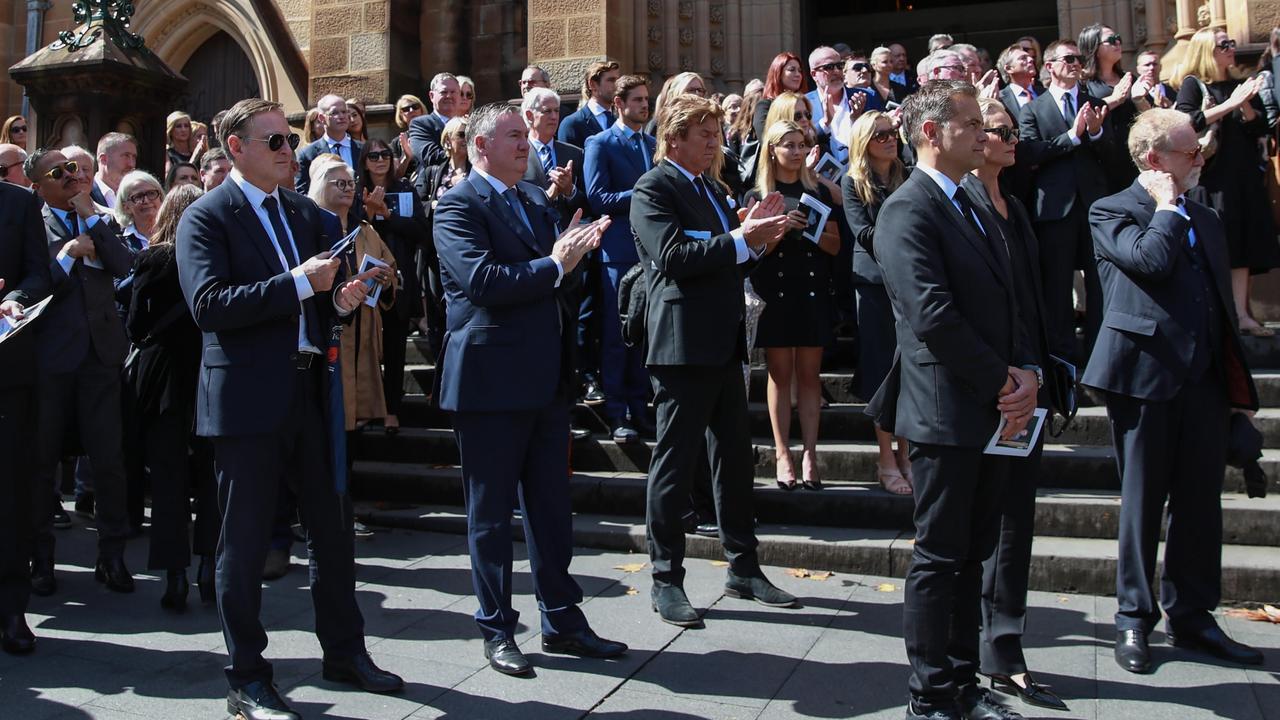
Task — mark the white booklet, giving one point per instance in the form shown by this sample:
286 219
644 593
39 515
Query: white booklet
1021 444
830 168
10 328
816 214
375 287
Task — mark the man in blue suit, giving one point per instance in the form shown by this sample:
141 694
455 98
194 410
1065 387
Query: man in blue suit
255 270
615 159
595 115
827 70
506 376
424 130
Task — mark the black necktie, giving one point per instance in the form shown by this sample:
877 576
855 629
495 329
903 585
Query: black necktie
705 193
994 243
282 236
73 226
1068 108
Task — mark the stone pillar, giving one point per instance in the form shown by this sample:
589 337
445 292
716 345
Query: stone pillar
1187 24
1151 32
350 50
1218 14
566 36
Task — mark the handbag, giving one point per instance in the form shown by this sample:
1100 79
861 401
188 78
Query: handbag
1209 136
1060 384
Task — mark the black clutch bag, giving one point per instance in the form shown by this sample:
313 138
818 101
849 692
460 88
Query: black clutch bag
1060 382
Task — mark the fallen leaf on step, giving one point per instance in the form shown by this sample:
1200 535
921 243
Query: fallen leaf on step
798 572
1267 613
808 574
886 587
718 563
1063 599
631 567
632 591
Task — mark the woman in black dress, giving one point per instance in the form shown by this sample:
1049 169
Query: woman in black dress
394 211
794 280
874 172
1104 79
168 369
438 180
1232 181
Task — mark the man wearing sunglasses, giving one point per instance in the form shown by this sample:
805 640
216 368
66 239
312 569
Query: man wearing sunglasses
82 348
1062 137
254 266
833 113
11 159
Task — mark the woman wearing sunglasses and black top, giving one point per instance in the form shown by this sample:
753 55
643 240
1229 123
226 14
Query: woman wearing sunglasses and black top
1103 77
397 216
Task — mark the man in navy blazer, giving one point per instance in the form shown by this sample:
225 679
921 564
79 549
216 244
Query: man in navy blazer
254 268
337 118
506 376
554 166
595 115
1170 362
424 130
616 158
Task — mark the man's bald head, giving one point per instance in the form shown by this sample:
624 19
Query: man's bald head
11 159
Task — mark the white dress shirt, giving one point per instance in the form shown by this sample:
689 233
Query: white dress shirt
1074 91
630 135
501 188
598 112
108 195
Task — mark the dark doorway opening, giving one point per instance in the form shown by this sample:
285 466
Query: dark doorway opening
220 75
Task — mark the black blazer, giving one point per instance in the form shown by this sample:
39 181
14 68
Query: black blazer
535 175
696 304
954 303
405 236
160 324
424 140
302 183
1065 173
246 305
24 266
1147 340
862 222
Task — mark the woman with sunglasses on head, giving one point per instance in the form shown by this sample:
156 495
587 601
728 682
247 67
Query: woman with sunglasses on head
875 171
794 280
1232 181
676 85
392 207
1005 572
408 107
14 132
1102 77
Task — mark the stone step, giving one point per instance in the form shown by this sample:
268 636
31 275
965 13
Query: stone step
1082 514
1065 467
1068 565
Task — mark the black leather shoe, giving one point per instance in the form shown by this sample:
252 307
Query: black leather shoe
276 565
111 570
709 529
505 657
584 643
592 394
361 672
85 506
915 714
1213 641
16 637
205 579
61 519
1033 694
673 606
43 583
757 588
980 704
176 588
1132 652
258 701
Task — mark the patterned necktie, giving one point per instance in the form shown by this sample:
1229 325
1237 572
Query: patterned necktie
547 164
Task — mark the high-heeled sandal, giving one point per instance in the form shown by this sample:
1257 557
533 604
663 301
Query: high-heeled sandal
790 477
892 481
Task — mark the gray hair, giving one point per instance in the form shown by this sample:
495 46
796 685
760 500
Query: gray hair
940 41
70 150
964 48
535 97
542 74
936 59
113 140
934 101
1151 132
483 123
128 185
439 79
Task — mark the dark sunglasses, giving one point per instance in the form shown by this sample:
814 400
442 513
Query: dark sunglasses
829 67
1227 45
69 167
409 107
1004 133
18 128
883 136
380 155
805 115
468 95
1071 59
1112 40
276 141
144 196
860 67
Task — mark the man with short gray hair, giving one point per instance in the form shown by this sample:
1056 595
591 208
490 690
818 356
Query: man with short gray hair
424 130
11 159
942 65
554 166
336 117
533 77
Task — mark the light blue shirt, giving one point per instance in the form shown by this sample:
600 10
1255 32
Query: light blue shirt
65 261
743 252
1180 208
630 135
501 188
344 149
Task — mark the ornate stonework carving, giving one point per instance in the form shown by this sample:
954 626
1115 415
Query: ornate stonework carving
655 35
655 60
717 39
717 66
686 10
717 14
686 36
655 8
686 63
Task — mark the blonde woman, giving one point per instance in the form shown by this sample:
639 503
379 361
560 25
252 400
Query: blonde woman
466 95
408 107
875 171
1232 181
334 189
181 144
312 126
794 280
676 85
796 108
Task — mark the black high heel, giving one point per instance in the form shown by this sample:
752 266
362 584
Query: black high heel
175 591
204 578
1033 694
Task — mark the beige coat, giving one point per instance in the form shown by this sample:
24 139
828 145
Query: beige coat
362 339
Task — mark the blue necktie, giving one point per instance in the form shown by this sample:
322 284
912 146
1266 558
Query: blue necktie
282 236
72 223
514 201
547 163
638 141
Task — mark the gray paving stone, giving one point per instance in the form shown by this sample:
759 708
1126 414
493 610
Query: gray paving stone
634 705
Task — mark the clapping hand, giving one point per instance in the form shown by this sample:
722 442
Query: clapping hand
857 103
1122 91
561 179
765 222
375 203
578 240
989 85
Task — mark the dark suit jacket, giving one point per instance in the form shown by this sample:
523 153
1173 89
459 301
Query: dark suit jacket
84 318
535 175
509 327
1065 174
862 223
957 329
612 171
24 266
696 309
247 307
306 155
96 195
160 324
405 237
1147 341
579 126
424 140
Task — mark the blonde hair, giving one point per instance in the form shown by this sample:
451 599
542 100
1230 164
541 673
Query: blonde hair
309 126
129 184
784 108
765 172
1198 59
863 177
674 86
455 126
172 120
682 113
324 164
401 122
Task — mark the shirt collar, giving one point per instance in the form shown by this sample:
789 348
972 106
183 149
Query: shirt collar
497 184
627 132
537 145
133 230
948 186
1058 92
254 194
684 172
596 108
344 142
1016 88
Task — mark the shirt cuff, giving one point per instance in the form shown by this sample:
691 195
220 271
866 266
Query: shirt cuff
337 307
1075 139
1167 206
65 261
743 251
301 283
93 220
1097 135
559 271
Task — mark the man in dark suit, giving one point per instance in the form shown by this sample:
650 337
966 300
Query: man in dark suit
24 274
506 376
337 118
1148 91
254 267
117 157
1171 365
902 73
82 346
964 355
554 166
615 160
424 130
692 248
1062 139
595 114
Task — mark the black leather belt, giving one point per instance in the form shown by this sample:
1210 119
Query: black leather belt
306 360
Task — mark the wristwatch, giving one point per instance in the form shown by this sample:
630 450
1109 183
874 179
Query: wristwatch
1039 374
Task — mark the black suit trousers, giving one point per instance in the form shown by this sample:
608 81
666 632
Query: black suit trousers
957 518
702 413
248 470
1065 246
1174 451
17 437
179 464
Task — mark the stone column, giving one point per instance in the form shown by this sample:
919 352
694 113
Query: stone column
1187 24
566 36
1218 14
1152 33
349 50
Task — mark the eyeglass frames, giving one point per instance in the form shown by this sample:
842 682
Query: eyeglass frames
276 141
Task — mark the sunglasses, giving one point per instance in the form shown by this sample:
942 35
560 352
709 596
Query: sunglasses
1227 45
883 136
410 107
380 155
70 167
276 141
18 129
803 116
1071 59
468 95
1004 133
829 67
860 67
144 196
1112 40
343 185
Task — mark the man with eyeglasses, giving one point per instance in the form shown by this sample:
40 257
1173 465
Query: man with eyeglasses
117 157
336 117
254 267
81 350
554 166
943 64
533 77
833 114
1062 137
1176 380
11 159
424 130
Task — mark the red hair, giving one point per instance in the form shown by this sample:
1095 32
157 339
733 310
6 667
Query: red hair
773 86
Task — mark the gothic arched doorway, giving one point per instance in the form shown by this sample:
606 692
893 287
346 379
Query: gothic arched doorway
220 75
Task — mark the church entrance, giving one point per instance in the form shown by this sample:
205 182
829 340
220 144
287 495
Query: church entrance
220 75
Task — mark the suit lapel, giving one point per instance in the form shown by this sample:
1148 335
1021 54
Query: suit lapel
628 150
54 224
949 210
1051 115
247 216
499 206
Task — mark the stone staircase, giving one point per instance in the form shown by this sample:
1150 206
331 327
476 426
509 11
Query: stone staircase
852 525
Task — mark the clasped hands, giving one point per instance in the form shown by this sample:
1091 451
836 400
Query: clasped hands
1017 401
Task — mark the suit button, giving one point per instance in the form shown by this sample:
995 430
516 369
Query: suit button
779 274
810 273
810 293
779 293
779 254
